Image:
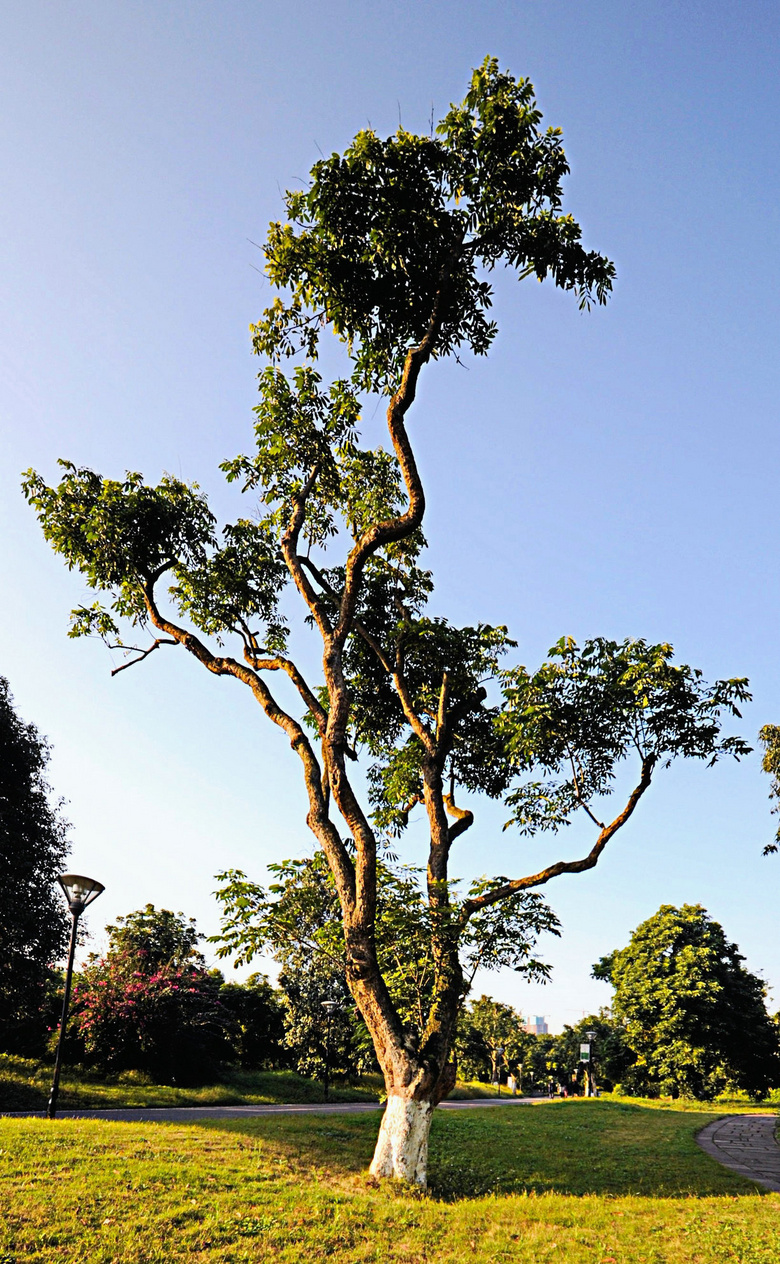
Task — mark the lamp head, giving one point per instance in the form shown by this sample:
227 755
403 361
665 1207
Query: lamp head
79 891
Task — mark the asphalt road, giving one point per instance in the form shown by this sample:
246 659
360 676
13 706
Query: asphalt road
191 1114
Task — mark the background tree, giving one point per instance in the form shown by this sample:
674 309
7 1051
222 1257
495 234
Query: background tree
485 1027
34 924
256 1023
611 1057
390 248
150 1004
694 1017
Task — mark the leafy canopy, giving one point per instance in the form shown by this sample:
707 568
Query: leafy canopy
693 1016
33 845
298 920
368 244
585 711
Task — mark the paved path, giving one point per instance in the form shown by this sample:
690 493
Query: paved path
747 1145
191 1114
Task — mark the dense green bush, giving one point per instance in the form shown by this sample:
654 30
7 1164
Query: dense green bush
694 1018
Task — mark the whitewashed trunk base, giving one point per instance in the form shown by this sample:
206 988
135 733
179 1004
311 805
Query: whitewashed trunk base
402 1145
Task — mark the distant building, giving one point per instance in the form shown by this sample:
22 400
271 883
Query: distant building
536 1026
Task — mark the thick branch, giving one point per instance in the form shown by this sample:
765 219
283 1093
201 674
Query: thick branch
564 866
417 726
318 820
280 663
464 819
441 715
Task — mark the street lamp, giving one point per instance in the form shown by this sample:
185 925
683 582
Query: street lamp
499 1055
330 1007
79 892
591 1036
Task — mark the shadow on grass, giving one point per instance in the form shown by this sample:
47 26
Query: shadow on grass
576 1148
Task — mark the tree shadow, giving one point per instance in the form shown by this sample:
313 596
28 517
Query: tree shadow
579 1149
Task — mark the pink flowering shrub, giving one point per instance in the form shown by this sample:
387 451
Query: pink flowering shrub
135 1010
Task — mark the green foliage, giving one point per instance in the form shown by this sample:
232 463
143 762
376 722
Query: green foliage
586 710
299 921
255 1022
770 740
368 246
34 924
484 1027
693 1016
150 939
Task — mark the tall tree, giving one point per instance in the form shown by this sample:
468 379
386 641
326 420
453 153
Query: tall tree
33 918
693 1016
390 248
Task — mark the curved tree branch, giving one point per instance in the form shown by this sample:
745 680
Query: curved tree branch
289 545
507 889
317 818
279 663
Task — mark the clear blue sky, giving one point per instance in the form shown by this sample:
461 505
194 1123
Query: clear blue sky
626 461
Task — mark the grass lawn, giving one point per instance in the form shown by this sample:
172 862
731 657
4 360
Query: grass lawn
596 1182
25 1085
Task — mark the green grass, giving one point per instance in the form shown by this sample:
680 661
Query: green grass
599 1182
25 1084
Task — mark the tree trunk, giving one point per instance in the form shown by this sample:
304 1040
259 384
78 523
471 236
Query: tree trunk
402 1145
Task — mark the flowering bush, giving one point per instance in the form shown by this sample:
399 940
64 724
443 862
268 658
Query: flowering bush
169 1024
150 1004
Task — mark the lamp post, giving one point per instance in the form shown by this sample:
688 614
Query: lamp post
329 1007
591 1036
499 1056
79 892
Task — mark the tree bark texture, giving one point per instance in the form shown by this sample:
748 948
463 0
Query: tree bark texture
402 1145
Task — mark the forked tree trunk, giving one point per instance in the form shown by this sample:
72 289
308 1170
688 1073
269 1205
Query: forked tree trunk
402 1145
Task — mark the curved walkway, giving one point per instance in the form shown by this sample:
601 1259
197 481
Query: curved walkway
189 1114
746 1144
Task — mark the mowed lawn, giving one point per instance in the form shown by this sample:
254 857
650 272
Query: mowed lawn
596 1182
